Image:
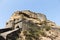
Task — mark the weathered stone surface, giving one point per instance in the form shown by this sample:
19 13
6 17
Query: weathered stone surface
50 23
28 25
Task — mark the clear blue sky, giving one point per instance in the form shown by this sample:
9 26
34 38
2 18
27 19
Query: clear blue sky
51 8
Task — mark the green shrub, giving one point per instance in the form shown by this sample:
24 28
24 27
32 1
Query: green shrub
47 28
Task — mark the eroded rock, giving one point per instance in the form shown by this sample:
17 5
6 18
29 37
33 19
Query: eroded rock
32 25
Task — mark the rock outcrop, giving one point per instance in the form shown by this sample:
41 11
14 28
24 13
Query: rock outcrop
28 25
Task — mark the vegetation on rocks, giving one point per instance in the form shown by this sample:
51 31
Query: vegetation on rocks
28 25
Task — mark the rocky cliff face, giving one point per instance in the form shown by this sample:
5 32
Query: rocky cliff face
28 25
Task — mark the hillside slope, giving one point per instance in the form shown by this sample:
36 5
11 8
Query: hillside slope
28 25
